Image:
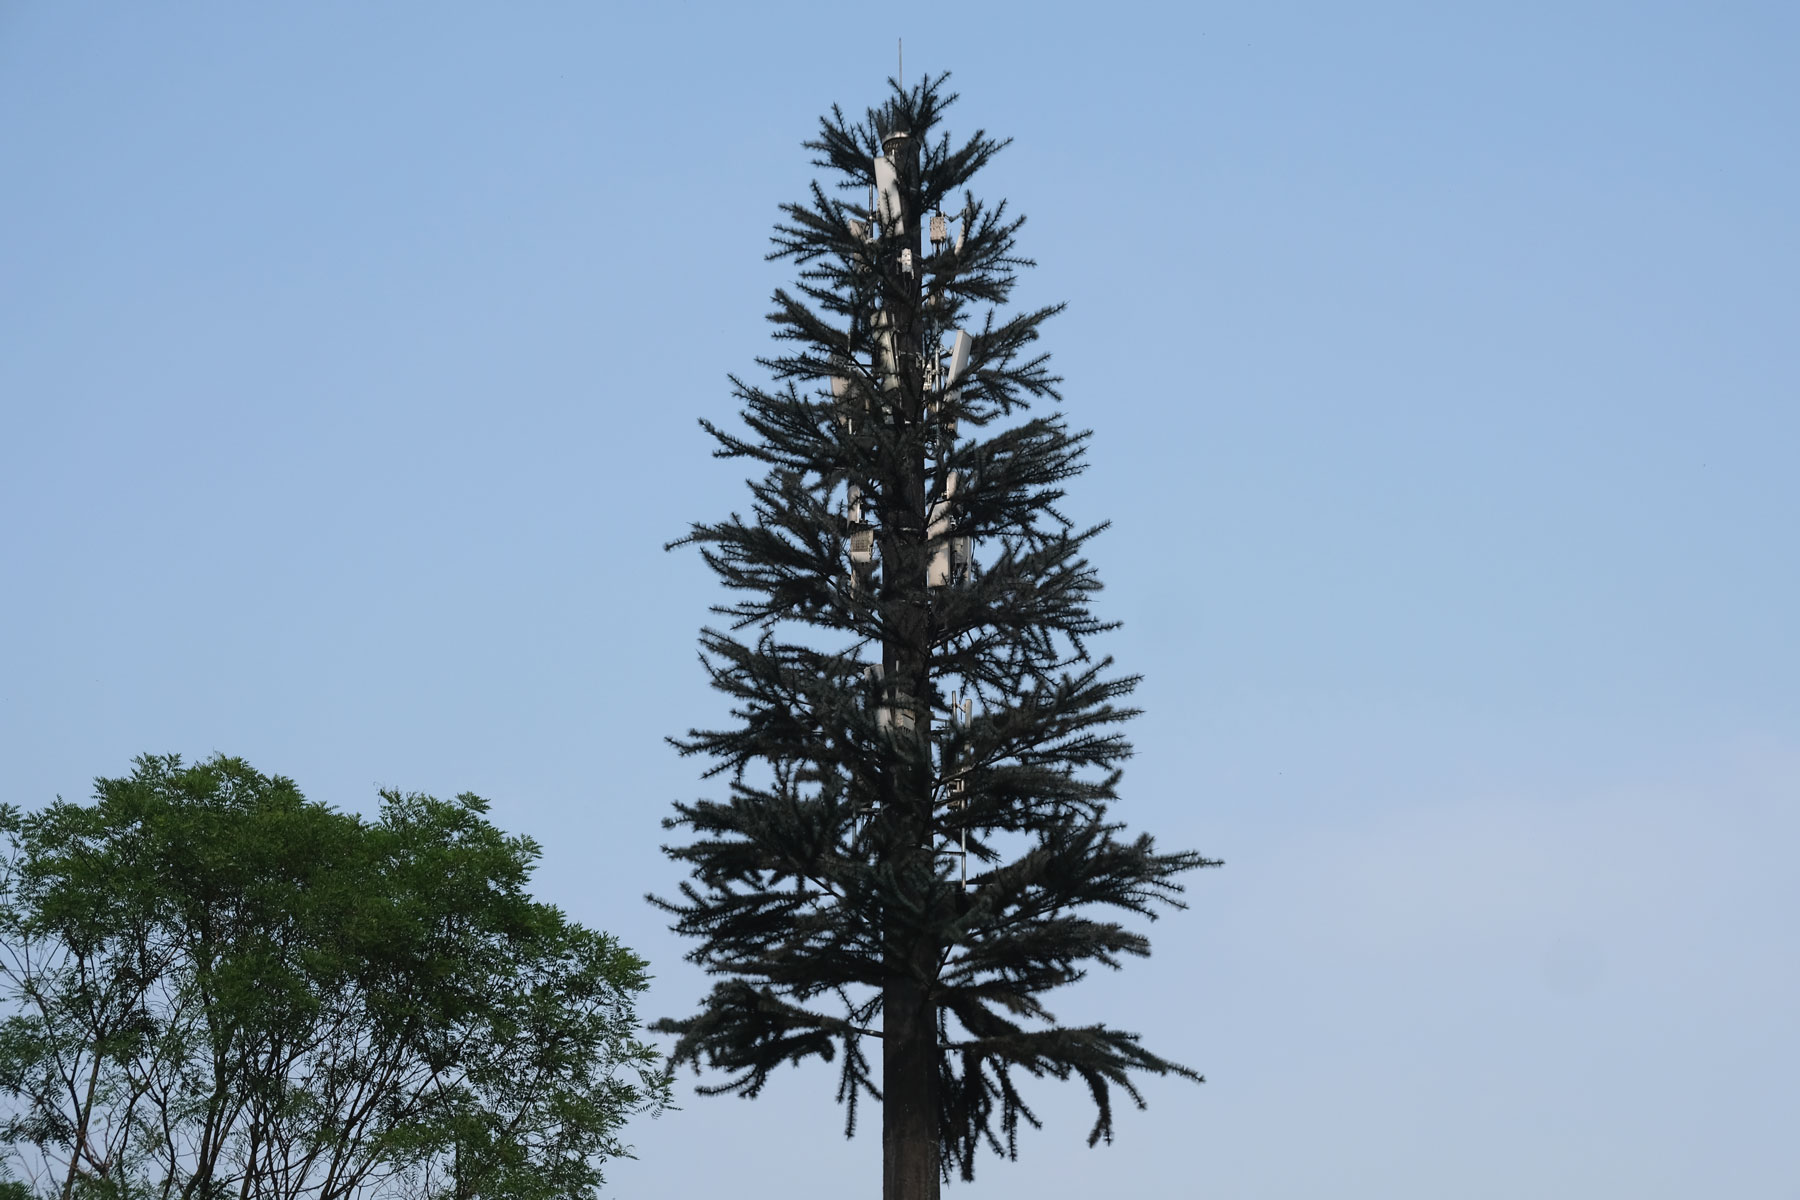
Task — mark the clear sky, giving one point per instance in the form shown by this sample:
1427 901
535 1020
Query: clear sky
1443 369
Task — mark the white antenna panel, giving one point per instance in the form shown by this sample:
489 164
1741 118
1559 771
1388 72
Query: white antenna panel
886 360
943 553
959 357
887 197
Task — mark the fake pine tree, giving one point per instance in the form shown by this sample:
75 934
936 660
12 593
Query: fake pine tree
916 846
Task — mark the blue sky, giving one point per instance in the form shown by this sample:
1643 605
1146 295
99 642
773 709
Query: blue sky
1442 367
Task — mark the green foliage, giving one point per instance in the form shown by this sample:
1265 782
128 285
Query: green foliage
823 895
219 986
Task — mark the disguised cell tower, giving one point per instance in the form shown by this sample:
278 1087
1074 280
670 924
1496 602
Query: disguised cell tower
922 753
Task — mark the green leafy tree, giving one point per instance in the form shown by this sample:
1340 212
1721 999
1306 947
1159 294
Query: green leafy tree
219 987
917 843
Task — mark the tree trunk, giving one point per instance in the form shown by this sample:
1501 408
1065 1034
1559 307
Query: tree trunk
909 1062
